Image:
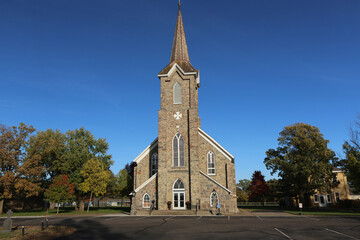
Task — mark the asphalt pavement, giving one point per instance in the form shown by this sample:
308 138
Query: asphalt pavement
204 227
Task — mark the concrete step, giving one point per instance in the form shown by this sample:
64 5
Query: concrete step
172 212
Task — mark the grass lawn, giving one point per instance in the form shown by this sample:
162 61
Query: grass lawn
315 211
325 212
69 210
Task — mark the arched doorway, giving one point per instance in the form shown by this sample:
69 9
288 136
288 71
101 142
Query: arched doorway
178 195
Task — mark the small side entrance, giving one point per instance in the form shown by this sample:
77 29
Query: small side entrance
178 195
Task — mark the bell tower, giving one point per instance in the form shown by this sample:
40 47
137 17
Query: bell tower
178 125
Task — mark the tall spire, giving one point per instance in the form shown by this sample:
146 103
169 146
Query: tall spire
179 49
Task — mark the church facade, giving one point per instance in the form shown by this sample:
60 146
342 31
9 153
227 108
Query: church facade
183 168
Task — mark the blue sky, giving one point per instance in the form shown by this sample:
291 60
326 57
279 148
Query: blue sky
264 65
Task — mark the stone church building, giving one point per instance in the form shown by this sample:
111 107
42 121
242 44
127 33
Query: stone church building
184 168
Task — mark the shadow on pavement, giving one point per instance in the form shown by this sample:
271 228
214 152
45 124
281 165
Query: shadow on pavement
90 229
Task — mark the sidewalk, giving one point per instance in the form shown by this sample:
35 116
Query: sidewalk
263 213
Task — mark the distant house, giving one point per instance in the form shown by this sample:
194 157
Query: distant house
340 192
111 202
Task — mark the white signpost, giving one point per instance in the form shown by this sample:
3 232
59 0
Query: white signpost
300 206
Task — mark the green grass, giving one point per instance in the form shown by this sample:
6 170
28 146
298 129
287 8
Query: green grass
325 213
319 212
70 211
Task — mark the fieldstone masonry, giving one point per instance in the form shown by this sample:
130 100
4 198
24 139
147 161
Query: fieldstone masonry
183 118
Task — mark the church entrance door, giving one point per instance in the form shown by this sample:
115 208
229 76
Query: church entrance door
179 200
178 195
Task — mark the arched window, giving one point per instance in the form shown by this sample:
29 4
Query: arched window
211 163
154 164
214 199
178 151
177 93
178 195
146 201
179 185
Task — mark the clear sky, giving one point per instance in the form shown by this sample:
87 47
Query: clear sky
264 65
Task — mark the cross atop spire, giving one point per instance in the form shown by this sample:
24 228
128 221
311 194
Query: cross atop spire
179 49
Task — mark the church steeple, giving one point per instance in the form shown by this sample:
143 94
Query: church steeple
179 49
179 52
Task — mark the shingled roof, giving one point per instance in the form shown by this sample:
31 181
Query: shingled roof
179 53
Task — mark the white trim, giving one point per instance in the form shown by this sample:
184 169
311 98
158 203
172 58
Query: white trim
211 153
146 182
181 70
198 79
144 200
174 100
146 151
335 200
216 145
324 203
217 197
178 191
179 150
215 181
316 198
328 198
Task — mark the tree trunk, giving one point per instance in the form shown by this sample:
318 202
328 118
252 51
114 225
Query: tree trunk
121 204
58 209
82 205
89 202
1 206
52 205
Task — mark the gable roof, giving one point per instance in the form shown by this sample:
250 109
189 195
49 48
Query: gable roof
146 151
146 182
214 181
216 145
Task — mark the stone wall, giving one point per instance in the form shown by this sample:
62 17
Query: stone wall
137 201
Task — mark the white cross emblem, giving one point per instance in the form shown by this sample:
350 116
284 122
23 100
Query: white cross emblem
177 115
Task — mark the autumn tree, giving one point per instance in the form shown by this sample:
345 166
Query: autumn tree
124 183
242 190
20 174
96 178
80 147
50 147
258 188
60 191
351 163
302 161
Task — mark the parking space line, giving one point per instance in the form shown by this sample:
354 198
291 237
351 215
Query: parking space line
282 233
169 218
228 218
260 218
199 218
341 234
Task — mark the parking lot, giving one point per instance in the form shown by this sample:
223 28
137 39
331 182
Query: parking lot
204 227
